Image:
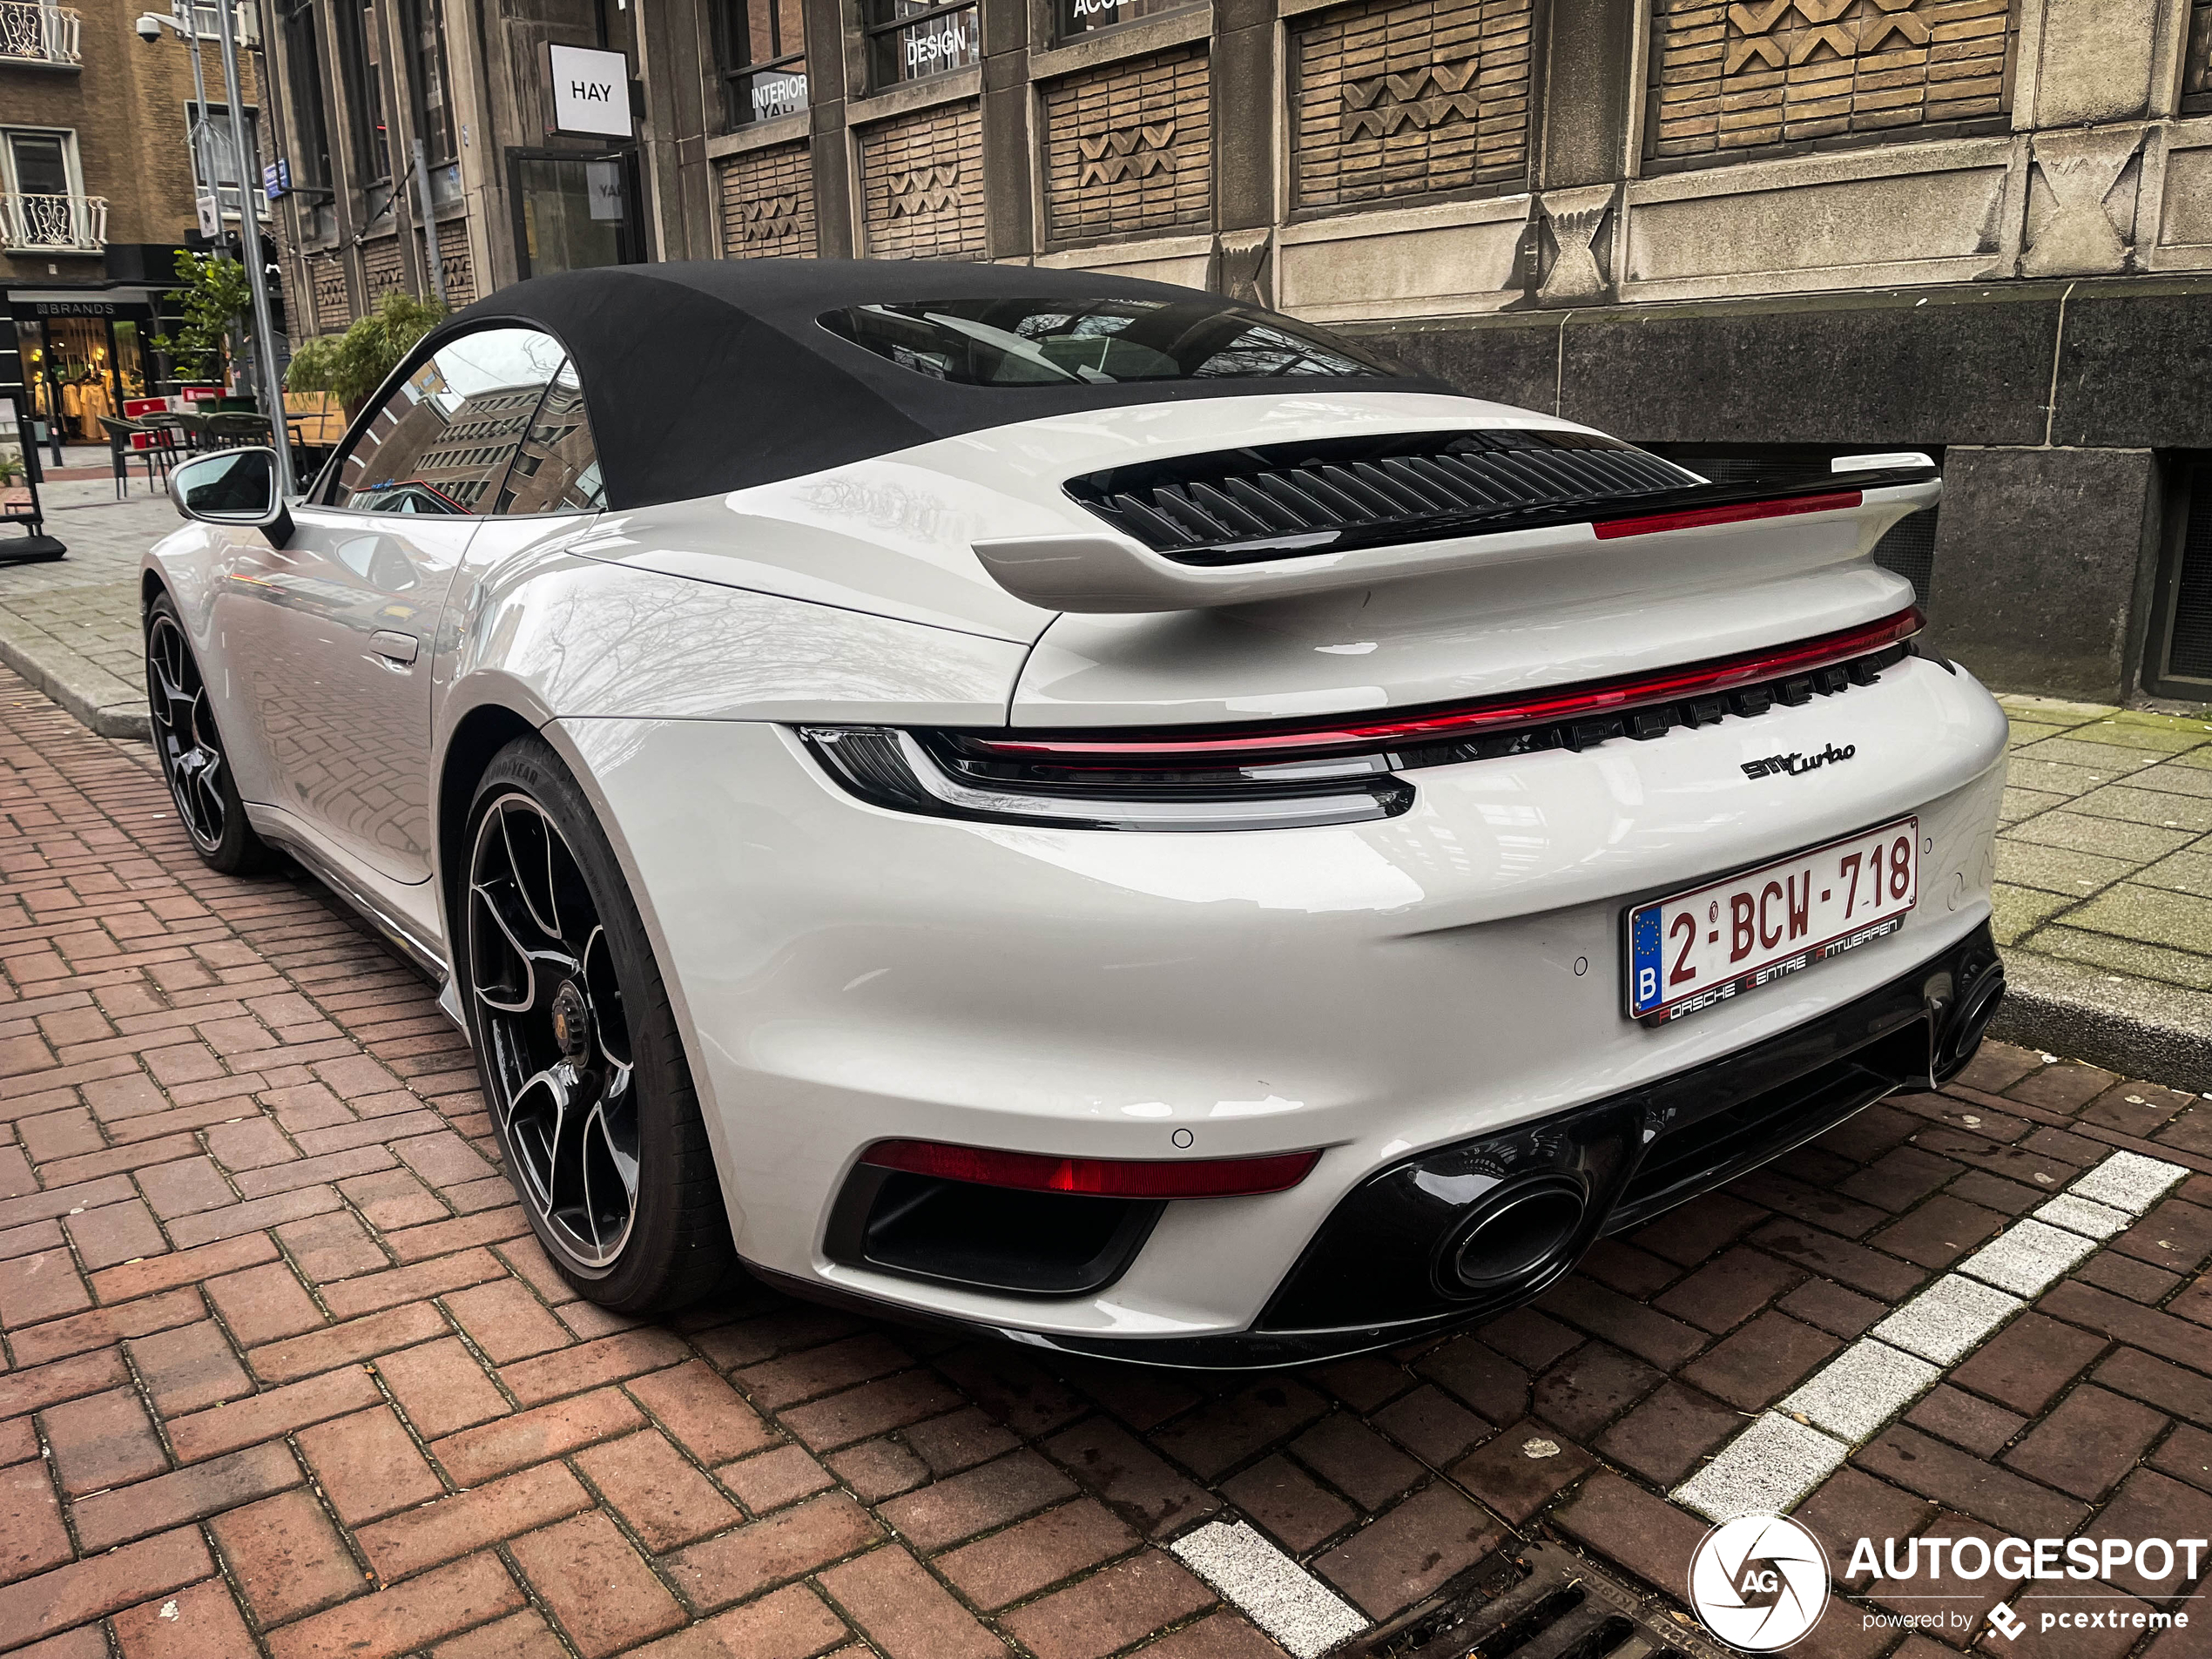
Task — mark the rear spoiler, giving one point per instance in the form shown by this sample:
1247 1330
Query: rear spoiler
1105 571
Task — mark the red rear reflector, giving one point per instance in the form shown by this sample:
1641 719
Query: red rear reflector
1102 1178
1743 512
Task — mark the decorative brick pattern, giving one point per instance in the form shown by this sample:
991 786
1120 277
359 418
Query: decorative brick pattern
334 307
371 1420
768 204
1129 148
921 185
456 264
1730 76
382 267
1392 100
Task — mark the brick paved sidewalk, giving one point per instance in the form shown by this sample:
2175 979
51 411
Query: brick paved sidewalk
286 1374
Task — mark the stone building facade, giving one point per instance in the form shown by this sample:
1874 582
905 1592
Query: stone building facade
1754 234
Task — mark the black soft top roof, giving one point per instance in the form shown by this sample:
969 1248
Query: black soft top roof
710 375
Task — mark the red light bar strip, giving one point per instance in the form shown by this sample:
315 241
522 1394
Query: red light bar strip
1100 1177
1699 517
1610 697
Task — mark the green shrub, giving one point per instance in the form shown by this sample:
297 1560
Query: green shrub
351 366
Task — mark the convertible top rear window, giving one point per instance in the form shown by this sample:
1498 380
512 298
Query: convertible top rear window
1059 341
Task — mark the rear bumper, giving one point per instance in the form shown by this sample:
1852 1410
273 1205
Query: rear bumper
1384 1249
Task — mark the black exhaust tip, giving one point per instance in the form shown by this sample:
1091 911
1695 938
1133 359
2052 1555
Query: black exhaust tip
1961 1033
1513 1236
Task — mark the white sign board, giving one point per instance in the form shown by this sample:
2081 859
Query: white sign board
210 212
591 92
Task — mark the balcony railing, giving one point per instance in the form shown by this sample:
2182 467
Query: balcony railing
53 223
32 33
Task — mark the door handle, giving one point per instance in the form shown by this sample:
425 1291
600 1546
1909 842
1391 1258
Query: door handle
398 647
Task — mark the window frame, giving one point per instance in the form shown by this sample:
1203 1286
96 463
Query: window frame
324 491
72 162
872 32
359 71
733 38
1065 35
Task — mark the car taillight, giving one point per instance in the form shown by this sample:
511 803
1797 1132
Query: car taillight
1311 773
1098 1177
935 773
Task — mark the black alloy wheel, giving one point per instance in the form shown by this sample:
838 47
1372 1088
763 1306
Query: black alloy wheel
190 749
577 1044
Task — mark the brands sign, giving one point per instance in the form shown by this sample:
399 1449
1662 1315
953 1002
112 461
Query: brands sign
591 92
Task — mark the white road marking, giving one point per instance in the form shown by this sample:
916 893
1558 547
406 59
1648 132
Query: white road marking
2128 1181
2028 1257
1861 1389
1271 1589
1948 1320
1775 1464
1768 1469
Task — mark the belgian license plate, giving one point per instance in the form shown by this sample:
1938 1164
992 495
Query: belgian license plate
1693 949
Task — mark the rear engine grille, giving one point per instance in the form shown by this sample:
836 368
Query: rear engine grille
1232 504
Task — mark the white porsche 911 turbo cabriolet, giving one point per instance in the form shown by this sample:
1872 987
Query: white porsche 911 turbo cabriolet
1083 809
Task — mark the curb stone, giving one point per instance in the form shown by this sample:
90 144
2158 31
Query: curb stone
103 702
2134 1027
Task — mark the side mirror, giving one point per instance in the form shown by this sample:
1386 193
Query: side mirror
233 486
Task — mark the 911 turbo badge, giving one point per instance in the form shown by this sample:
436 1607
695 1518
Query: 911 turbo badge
1792 765
1085 809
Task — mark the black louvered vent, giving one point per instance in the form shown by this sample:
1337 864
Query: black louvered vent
2188 641
1232 504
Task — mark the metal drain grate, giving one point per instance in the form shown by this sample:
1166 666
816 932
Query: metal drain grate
1539 1602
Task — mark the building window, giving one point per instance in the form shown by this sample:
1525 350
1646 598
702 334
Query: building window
1072 19
430 86
216 164
42 207
368 143
911 40
310 123
763 45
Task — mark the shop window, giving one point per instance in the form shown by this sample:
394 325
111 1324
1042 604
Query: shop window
912 40
2180 659
762 47
430 85
1072 19
441 443
369 147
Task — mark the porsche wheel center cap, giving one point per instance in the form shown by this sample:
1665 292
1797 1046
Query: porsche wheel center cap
571 1021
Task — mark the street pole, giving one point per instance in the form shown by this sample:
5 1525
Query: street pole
201 169
256 280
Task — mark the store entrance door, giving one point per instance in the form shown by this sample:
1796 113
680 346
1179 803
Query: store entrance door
573 212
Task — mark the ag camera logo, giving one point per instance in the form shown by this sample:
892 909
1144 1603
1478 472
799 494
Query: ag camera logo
1760 1582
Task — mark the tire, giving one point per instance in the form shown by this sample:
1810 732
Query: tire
577 1044
193 761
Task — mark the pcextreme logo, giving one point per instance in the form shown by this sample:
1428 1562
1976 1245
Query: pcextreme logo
1760 1582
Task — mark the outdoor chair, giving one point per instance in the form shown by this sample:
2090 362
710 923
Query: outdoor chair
121 452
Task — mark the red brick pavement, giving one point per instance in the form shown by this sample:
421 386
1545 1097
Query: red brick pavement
287 1375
